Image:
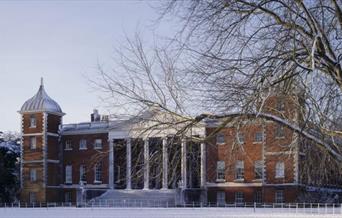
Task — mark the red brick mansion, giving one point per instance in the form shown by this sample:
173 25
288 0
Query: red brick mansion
253 160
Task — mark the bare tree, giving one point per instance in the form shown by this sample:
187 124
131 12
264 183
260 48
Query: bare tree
228 58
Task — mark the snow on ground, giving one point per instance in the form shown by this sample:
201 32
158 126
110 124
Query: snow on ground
72 212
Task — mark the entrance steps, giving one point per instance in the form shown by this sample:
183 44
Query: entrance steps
136 198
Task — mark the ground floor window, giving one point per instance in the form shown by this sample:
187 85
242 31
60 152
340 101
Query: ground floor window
32 197
258 196
67 197
221 197
279 196
239 197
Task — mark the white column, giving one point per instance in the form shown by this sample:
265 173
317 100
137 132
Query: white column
203 165
128 163
183 163
146 163
111 164
165 164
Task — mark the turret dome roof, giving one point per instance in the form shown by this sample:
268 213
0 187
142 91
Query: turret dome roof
41 102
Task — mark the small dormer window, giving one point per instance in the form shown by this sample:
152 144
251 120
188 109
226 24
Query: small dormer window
33 121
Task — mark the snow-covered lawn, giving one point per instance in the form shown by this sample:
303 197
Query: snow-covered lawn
159 213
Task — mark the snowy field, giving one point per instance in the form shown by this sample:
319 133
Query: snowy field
160 213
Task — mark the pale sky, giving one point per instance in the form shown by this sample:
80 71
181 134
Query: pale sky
63 41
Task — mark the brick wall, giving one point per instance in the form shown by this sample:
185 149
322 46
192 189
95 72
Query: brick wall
88 157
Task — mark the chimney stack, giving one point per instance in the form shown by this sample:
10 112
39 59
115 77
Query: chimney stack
95 116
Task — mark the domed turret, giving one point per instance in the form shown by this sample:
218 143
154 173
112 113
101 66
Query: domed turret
41 102
41 118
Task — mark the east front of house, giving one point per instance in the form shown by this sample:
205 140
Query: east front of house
247 160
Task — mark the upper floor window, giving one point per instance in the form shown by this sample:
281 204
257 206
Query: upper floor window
33 175
279 131
220 169
220 138
83 174
259 136
98 173
258 169
279 196
239 170
280 105
280 170
33 142
68 174
83 144
68 145
98 144
239 197
241 138
33 121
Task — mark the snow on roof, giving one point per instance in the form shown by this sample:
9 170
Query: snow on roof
41 102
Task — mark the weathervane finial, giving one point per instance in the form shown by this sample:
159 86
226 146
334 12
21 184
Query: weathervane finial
41 81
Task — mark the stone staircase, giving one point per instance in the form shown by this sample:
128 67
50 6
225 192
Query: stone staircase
136 198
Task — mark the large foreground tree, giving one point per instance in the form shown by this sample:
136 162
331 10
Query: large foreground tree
229 56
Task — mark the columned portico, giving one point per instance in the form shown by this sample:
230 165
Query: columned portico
111 164
128 164
183 163
146 163
203 165
165 164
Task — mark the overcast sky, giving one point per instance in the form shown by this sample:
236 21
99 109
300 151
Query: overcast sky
62 41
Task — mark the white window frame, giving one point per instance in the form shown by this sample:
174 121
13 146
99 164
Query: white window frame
220 170
68 145
32 197
258 196
83 174
83 144
33 175
67 197
33 142
239 197
68 174
280 105
279 131
98 173
258 169
239 170
280 170
98 144
33 121
221 197
241 138
258 139
279 196
220 138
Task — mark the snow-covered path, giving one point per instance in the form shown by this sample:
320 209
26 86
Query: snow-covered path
154 213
